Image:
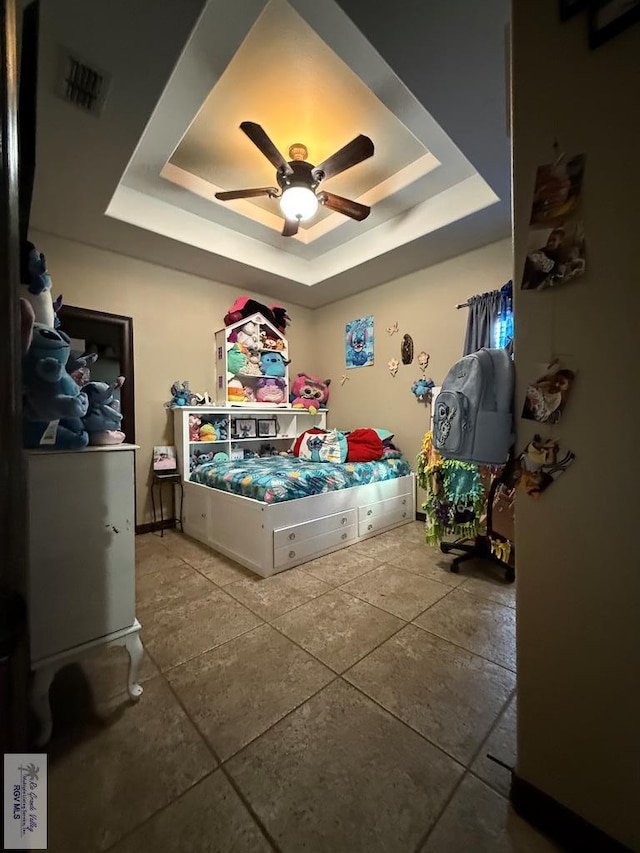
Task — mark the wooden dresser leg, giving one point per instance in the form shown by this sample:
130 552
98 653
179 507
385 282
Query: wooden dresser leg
136 651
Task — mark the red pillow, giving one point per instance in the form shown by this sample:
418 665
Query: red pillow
363 445
300 438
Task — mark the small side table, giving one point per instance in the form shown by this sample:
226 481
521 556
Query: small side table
159 479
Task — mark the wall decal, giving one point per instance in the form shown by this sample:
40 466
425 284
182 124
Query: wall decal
423 360
344 378
406 349
393 329
393 366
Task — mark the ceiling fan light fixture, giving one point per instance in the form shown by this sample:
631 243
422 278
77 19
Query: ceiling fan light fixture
298 203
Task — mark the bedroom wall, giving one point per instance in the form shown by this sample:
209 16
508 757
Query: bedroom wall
577 546
175 316
423 304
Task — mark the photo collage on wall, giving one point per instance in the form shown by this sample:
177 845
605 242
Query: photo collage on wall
556 244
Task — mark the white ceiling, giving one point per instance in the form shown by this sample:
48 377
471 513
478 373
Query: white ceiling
184 73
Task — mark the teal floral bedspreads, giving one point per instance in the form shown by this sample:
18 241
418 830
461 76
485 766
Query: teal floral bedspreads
272 479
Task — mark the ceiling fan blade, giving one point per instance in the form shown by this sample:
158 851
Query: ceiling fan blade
260 139
252 193
354 152
344 205
290 227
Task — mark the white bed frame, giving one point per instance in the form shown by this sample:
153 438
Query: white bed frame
269 538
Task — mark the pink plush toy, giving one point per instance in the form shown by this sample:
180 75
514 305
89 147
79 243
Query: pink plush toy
270 390
194 427
310 393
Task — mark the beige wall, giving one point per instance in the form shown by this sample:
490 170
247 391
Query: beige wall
423 304
578 563
175 316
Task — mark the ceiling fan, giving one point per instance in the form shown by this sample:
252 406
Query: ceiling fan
298 179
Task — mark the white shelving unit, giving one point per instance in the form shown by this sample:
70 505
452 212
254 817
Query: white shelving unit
285 423
249 380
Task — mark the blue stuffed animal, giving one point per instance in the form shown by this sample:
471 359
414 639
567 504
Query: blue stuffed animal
273 364
53 403
103 420
422 389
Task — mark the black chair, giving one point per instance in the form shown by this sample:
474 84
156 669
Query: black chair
480 548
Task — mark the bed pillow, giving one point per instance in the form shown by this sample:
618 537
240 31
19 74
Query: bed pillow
323 447
302 437
363 445
384 434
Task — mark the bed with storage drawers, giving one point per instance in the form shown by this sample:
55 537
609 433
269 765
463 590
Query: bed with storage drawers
354 501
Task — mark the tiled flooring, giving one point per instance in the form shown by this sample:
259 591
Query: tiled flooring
344 706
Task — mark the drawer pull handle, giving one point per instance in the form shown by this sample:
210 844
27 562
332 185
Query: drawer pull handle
404 500
369 526
292 536
369 512
203 515
404 514
344 536
292 554
344 521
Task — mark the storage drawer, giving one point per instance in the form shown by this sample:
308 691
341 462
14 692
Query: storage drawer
195 513
372 511
302 551
379 522
299 532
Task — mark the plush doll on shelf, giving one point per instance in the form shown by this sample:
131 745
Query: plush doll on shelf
53 403
252 365
80 368
236 392
273 364
181 395
194 427
270 391
249 336
308 392
207 433
236 358
103 418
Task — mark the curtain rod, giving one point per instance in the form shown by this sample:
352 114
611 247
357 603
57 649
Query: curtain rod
463 305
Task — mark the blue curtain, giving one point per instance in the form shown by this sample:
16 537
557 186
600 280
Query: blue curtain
490 321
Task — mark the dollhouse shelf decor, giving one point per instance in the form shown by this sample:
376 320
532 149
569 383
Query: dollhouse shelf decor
252 364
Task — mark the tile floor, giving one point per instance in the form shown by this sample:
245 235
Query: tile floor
346 705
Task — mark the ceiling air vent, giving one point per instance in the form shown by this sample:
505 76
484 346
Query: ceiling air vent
83 85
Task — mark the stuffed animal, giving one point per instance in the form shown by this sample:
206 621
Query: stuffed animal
53 403
103 418
249 336
252 366
270 391
249 394
199 457
244 306
236 359
422 389
207 432
310 393
80 368
181 395
273 364
194 427
36 284
235 392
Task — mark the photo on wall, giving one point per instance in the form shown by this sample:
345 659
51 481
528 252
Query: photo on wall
540 464
547 395
358 335
556 244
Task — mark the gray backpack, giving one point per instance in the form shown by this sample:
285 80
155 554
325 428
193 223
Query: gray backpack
473 413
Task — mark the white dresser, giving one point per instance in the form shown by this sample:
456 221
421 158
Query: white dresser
81 582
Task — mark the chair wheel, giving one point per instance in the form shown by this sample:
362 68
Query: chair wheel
511 575
455 568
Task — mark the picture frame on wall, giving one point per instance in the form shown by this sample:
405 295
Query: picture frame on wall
608 18
267 428
568 8
245 428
